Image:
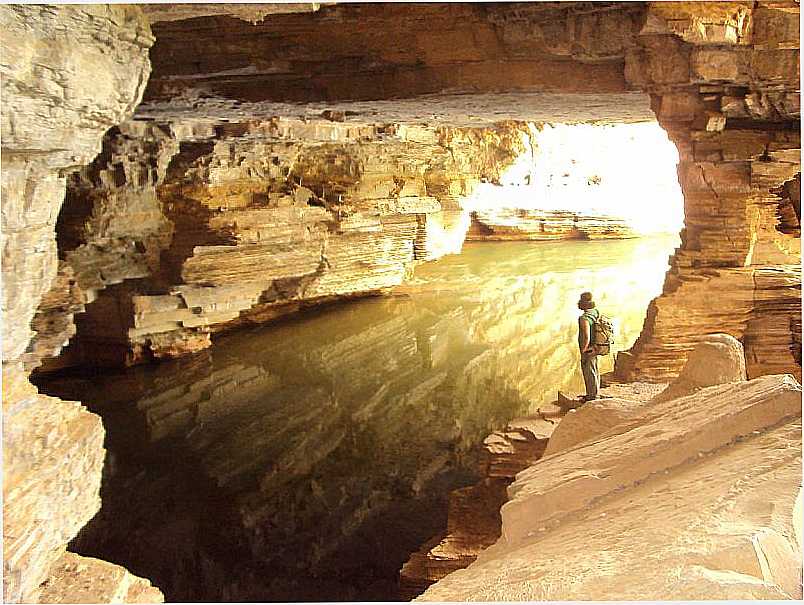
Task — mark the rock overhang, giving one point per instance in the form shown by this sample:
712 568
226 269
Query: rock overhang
466 110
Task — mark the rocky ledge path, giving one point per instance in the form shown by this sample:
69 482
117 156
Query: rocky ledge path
686 491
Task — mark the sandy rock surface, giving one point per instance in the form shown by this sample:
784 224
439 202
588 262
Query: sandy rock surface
694 498
591 419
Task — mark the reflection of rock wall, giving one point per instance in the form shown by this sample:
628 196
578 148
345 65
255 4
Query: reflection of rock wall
222 222
356 415
69 73
724 80
314 434
526 224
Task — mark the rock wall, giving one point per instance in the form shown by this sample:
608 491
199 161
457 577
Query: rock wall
729 99
69 73
723 79
52 121
212 224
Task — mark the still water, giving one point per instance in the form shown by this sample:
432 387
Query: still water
306 460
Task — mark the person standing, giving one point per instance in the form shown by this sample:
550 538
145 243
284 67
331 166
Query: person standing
586 324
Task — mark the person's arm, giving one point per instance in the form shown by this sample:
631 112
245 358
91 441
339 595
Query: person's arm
583 326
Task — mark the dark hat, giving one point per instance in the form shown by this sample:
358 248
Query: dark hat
585 301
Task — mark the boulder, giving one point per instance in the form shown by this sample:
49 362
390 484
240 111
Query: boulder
718 359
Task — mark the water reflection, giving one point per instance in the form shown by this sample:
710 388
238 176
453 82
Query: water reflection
306 460
519 299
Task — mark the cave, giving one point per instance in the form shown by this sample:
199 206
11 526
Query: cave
290 290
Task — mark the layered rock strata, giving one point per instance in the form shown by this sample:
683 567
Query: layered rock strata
507 224
69 73
215 224
665 478
729 99
723 80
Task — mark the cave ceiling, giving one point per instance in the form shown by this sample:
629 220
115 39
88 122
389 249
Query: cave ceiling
458 64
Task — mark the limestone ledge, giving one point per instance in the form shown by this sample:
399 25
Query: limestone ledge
653 469
187 226
507 224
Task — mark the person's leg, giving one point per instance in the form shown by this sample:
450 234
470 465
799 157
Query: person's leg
590 376
595 378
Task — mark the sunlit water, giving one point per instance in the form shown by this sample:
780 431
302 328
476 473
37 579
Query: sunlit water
306 460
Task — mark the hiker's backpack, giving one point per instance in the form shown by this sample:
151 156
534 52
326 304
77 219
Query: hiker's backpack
602 335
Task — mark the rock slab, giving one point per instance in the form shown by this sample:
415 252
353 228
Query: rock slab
693 498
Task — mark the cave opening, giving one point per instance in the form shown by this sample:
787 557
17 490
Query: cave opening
309 459
621 174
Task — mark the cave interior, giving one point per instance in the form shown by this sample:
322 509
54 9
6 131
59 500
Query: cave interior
173 173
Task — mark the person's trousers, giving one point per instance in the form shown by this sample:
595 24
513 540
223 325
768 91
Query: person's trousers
591 377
